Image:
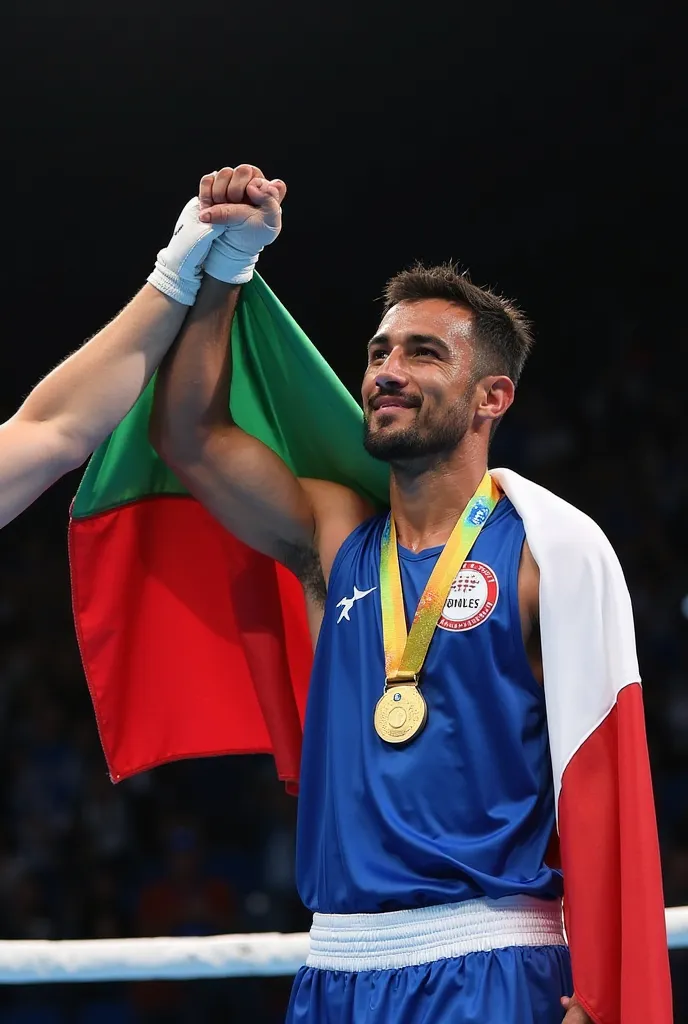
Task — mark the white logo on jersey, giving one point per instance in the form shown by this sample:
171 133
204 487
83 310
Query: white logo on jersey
471 599
347 603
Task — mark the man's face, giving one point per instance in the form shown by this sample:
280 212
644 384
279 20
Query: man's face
418 387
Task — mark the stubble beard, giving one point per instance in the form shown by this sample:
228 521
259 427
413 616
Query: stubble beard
416 443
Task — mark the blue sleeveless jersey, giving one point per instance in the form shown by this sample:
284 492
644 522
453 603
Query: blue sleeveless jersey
466 808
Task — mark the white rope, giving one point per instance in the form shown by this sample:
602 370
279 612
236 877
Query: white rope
213 956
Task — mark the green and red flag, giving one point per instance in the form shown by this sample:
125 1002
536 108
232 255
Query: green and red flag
192 643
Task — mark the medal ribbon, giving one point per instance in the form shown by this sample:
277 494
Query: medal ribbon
405 654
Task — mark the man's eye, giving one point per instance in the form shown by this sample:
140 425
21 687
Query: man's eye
377 353
421 351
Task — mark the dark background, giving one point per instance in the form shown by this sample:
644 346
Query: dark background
540 146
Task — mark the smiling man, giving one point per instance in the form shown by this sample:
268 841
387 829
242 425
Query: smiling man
427 805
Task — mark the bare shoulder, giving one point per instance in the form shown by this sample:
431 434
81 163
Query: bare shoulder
337 511
327 496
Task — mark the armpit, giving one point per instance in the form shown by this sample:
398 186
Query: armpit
306 566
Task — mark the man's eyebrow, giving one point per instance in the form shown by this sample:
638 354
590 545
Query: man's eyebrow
416 339
379 339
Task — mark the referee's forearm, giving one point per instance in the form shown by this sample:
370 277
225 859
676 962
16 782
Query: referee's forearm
85 397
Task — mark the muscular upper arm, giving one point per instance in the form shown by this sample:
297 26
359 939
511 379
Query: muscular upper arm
254 494
251 491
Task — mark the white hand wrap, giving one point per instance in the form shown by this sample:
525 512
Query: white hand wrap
235 253
178 267
228 263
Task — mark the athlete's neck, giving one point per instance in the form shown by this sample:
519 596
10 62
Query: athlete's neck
427 500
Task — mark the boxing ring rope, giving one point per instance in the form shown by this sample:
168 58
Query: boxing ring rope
29 961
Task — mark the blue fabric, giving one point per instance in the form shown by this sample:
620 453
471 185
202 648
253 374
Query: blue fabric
464 810
518 985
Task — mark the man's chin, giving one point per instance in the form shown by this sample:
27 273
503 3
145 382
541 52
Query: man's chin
391 445
409 445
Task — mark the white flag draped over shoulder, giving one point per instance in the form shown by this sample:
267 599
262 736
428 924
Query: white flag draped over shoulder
613 899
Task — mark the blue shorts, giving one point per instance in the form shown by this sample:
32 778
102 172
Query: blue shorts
513 985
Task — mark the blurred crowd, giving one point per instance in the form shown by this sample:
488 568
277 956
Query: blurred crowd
208 846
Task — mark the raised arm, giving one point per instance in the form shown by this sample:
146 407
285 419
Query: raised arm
78 405
243 483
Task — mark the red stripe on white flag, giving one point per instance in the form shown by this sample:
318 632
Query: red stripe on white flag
613 903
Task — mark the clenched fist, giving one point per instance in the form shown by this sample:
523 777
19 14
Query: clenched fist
250 208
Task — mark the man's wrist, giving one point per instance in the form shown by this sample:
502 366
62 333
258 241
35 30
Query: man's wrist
225 263
215 294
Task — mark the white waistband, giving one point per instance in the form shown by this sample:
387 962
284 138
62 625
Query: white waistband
366 942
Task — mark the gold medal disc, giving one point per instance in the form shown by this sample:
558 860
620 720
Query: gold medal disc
400 713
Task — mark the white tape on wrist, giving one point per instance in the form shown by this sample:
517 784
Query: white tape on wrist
229 264
179 266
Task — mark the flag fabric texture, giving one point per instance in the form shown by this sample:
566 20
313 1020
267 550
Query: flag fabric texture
194 645
613 898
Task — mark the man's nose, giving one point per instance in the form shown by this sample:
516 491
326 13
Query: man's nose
392 376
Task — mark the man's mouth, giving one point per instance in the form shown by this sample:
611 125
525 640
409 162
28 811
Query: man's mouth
393 402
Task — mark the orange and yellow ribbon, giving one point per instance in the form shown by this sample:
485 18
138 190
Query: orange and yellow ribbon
405 653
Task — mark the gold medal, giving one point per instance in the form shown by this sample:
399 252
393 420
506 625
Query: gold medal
400 713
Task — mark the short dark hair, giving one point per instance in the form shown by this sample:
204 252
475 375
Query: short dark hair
502 334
